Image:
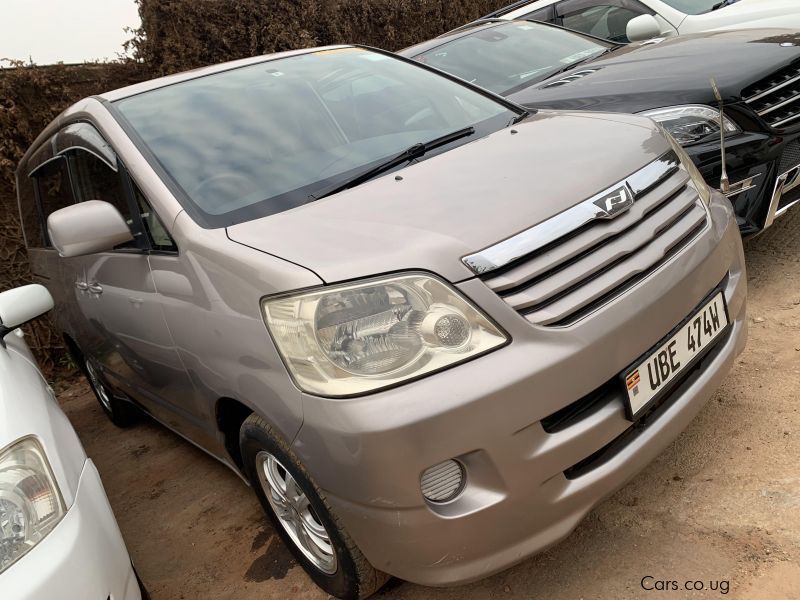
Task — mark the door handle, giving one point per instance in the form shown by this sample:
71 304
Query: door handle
82 285
135 301
96 288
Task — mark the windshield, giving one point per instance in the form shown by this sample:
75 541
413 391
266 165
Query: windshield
511 56
695 7
257 140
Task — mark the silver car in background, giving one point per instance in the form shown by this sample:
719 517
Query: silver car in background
58 535
431 329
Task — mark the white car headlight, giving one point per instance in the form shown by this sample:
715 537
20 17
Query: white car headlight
356 338
30 502
691 123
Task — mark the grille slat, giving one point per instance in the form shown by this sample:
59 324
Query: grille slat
776 97
557 284
604 283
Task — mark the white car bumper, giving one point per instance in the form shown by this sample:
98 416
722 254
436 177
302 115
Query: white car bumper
83 558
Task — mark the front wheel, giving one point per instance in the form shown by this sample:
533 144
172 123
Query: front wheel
301 516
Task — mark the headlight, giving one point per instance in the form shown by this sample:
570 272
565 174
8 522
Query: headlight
30 503
356 338
691 123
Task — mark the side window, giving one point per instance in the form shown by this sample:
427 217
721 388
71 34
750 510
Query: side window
159 237
603 19
94 179
53 187
29 213
545 15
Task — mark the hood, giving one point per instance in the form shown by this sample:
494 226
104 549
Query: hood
747 13
667 72
429 215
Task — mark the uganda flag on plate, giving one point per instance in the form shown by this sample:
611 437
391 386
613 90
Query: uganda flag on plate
633 382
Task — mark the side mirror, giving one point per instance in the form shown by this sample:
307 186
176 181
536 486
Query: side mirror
87 228
643 27
22 304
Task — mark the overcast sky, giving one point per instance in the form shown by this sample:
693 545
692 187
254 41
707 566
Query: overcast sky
69 31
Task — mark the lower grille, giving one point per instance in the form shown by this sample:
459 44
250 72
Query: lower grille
776 98
585 267
580 409
790 157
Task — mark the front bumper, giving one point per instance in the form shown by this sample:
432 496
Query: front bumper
83 558
523 490
767 165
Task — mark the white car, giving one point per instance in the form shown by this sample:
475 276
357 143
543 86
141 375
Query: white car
637 20
58 536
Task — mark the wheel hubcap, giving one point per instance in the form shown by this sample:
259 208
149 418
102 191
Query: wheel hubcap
102 392
295 512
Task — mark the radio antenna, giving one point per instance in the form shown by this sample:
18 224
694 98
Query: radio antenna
724 183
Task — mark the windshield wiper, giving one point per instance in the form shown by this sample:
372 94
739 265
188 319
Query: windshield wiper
521 116
412 153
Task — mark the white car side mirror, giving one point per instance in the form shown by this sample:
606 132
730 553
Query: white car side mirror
22 304
643 27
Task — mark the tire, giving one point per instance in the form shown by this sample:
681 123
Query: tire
120 412
333 561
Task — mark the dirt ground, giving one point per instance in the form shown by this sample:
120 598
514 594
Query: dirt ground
721 506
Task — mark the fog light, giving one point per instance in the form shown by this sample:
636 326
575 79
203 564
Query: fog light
443 482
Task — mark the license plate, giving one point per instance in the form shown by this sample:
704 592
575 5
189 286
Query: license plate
653 374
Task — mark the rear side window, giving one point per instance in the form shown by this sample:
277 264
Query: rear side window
53 186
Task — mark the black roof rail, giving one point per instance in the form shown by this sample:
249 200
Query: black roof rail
506 9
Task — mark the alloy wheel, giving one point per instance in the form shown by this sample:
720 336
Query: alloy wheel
295 513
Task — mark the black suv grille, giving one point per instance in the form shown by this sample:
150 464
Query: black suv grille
776 99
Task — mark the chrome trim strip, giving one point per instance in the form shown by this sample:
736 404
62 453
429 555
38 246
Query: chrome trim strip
742 186
785 121
547 232
783 211
785 182
780 86
766 111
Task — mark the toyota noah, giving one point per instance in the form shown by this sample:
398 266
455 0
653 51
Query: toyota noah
431 329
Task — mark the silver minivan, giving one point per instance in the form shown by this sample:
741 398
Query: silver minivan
432 330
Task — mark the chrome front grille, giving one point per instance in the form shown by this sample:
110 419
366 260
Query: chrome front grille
565 268
776 99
